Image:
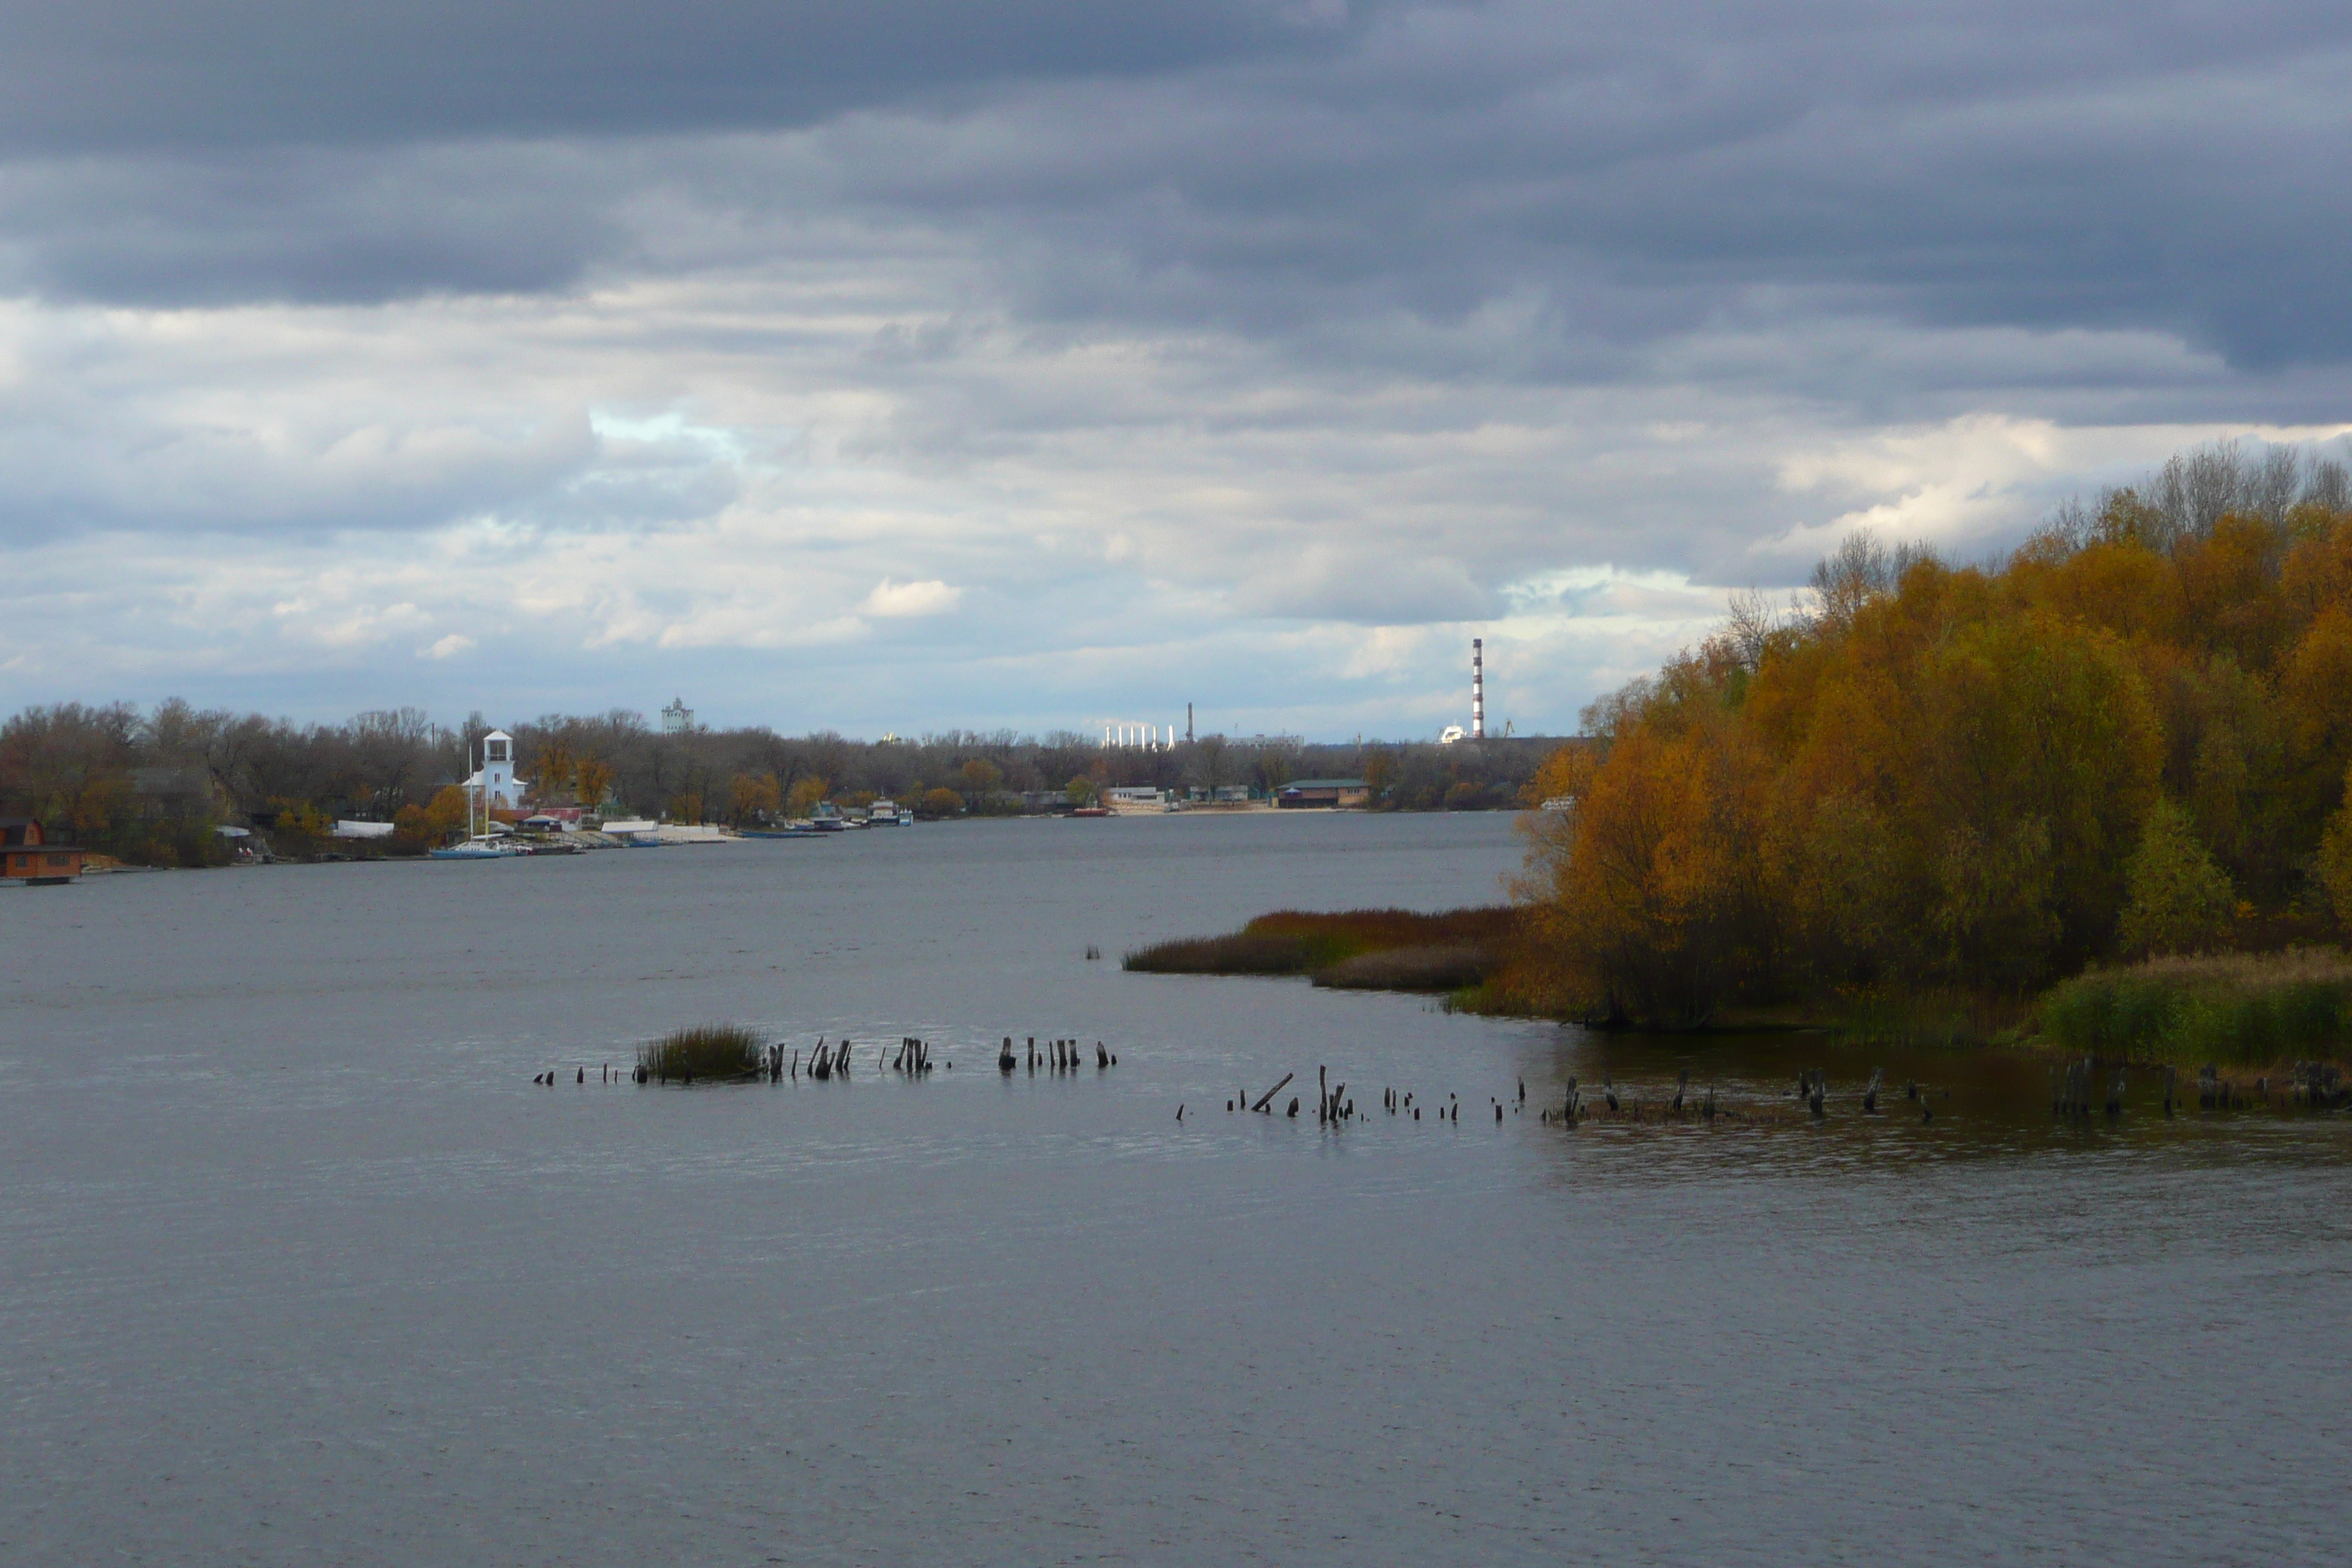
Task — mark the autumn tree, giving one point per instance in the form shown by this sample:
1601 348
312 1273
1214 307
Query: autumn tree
806 794
753 796
447 813
557 770
981 777
2179 900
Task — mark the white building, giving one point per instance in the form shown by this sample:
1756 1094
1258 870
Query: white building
495 777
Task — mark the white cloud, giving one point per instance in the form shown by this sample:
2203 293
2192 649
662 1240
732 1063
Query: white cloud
889 599
450 646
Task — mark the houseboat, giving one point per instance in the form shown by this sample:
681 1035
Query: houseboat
28 855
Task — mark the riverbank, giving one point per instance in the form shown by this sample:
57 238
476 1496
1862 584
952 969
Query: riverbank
2253 1011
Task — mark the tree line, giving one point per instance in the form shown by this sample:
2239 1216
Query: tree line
2130 736
150 786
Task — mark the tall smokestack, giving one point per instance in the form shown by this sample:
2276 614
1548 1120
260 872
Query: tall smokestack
1188 724
1477 688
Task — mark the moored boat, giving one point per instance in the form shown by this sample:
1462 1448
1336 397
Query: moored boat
481 846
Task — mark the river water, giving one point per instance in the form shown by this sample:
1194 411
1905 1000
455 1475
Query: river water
297 1266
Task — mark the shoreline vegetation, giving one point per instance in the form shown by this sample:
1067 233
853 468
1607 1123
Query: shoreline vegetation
1354 949
2232 1009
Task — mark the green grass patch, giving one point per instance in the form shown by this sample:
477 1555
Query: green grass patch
2241 1008
707 1050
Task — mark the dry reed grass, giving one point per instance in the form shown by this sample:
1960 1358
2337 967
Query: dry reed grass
1408 969
1381 950
707 1050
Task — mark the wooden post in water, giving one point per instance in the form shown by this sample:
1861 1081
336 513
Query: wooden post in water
1268 1099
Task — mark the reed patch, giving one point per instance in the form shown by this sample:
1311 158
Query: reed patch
2238 1007
1376 949
706 1050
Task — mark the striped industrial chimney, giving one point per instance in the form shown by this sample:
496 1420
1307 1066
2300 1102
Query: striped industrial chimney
1477 688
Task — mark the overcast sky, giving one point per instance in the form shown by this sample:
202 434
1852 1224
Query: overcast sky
908 364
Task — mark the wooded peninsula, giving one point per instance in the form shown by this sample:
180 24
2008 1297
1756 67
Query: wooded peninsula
2113 763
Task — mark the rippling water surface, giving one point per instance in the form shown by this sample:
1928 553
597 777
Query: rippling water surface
295 1265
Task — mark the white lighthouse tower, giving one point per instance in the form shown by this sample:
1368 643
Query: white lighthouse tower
496 779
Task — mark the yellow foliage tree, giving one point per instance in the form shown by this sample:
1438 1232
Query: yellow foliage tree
556 770
806 794
446 815
591 782
750 796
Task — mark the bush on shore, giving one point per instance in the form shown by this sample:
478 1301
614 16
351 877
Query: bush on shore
707 1050
2245 1008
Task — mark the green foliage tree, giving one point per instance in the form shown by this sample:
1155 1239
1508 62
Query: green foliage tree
1079 791
2334 863
2177 901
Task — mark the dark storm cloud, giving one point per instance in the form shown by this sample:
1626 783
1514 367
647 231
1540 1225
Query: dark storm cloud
1341 177
106 74
303 224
